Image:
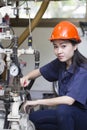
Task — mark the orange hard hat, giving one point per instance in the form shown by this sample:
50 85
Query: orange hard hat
65 30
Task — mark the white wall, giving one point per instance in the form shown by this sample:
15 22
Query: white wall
41 42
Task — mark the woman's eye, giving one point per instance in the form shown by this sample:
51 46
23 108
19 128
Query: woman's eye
55 47
63 46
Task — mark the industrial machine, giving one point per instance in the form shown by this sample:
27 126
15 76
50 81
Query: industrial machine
12 95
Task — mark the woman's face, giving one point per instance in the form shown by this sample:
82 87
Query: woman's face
64 50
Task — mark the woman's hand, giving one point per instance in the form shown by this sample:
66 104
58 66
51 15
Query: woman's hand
30 104
24 81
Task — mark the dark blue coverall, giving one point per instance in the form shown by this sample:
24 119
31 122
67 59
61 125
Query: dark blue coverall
64 117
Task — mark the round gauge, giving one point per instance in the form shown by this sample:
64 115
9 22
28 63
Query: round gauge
2 66
14 70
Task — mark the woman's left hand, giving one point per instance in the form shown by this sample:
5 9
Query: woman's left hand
30 104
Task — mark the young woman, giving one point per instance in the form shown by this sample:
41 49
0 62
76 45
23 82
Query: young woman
70 69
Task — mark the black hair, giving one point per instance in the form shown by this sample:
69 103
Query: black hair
78 59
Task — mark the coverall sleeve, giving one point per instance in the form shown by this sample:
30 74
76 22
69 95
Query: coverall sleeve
51 70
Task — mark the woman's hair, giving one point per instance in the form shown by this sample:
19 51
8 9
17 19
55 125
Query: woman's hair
78 59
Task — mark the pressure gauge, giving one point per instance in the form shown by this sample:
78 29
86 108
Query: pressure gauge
2 66
14 70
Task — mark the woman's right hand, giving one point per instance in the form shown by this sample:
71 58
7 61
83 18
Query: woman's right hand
24 81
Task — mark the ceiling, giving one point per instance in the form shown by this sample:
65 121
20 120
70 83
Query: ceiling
47 22
61 9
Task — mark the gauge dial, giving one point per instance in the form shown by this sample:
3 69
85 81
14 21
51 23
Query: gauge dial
14 70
